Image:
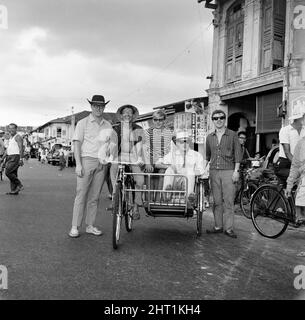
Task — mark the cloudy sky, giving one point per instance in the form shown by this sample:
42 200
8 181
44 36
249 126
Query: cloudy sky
57 53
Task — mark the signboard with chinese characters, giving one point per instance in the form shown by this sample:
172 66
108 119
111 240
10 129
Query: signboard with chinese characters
298 103
194 120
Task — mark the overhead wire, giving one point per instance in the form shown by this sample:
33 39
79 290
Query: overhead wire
188 46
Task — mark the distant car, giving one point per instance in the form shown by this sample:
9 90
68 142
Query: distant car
53 155
34 153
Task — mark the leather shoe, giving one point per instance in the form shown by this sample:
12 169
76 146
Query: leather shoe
230 234
214 231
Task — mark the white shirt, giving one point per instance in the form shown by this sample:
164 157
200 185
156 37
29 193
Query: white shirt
194 161
13 147
87 132
290 136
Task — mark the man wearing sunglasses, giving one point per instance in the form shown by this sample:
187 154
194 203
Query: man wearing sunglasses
223 151
158 144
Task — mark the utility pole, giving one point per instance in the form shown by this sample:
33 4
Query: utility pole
72 124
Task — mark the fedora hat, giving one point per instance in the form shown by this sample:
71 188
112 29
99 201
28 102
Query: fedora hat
133 108
298 111
98 99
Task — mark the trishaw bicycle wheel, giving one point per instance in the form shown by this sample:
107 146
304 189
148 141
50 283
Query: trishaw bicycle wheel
117 212
269 211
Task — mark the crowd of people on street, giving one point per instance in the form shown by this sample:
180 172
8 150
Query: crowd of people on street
99 148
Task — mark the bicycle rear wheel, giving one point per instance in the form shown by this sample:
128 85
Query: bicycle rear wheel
245 197
269 211
117 213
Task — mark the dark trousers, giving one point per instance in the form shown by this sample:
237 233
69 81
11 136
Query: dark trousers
108 179
282 170
206 186
11 170
62 162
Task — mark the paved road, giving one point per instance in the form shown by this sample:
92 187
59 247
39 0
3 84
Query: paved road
159 259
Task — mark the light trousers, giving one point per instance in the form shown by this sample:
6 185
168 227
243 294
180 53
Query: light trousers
88 191
223 191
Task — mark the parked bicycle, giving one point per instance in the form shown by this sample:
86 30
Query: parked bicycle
271 211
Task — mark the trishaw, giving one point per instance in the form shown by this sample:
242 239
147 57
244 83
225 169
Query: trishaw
155 202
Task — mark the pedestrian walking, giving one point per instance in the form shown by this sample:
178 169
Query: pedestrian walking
90 172
224 152
39 152
43 156
62 161
66 156
14 159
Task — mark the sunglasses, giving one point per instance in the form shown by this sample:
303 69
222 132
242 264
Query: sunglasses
218 118
183 141
98 106
158 120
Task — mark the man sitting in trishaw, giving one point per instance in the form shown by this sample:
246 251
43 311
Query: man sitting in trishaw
184 161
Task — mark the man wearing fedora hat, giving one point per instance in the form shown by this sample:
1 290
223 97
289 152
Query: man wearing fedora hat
289 136
130 148
90 172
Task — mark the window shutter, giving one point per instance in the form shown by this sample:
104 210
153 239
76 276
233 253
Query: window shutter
273 34
266 113
234 45
278 33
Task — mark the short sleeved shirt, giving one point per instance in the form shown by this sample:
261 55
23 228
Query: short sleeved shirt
87 132
289 135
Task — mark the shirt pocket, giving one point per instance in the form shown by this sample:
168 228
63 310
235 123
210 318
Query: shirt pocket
228 148
90 133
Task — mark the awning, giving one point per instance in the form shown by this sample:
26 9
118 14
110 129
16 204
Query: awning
255 90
